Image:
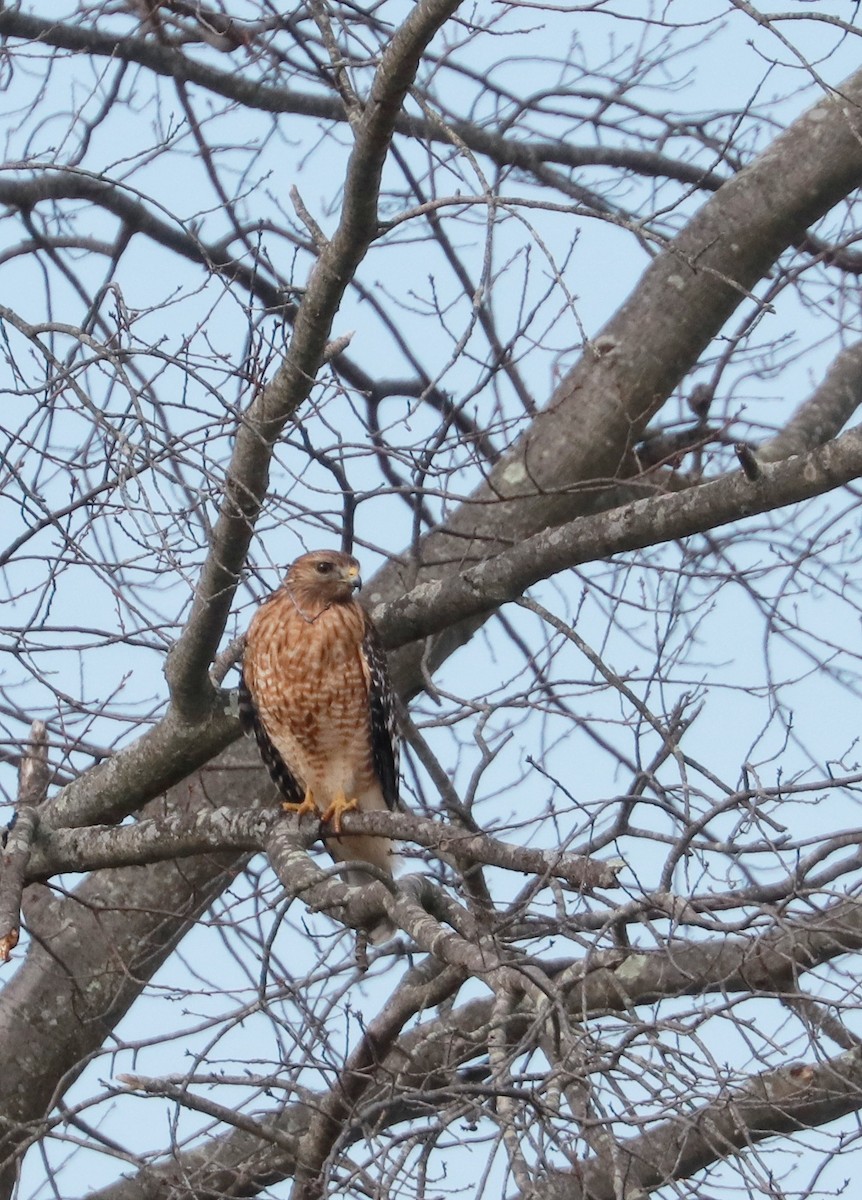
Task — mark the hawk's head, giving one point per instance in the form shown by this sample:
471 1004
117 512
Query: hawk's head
324 577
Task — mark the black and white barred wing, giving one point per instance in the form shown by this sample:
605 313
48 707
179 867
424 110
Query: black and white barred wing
382 713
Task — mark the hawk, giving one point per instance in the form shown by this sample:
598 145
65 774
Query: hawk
315 692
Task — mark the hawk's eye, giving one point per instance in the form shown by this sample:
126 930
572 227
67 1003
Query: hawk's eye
324 568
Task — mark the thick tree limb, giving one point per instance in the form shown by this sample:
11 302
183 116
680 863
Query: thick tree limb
170 751
183 835
681 302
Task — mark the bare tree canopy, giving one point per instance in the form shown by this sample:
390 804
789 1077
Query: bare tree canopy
549 314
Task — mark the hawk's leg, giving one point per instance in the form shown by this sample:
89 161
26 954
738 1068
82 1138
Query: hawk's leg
339 806
306 806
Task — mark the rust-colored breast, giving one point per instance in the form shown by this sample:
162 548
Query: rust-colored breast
308 681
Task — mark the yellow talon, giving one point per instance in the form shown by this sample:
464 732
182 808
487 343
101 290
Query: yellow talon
307 805
339 806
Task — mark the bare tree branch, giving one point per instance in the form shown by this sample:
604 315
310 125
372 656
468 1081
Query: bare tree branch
182 835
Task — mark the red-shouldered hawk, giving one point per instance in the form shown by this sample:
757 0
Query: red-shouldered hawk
315 690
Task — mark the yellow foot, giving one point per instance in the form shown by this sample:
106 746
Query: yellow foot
306 806
339 806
